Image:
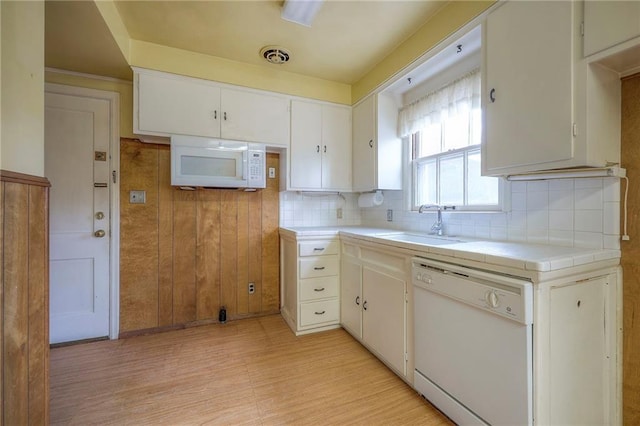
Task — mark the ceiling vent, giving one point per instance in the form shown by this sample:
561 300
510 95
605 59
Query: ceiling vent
275 54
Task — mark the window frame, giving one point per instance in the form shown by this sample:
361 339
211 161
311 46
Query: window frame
471 149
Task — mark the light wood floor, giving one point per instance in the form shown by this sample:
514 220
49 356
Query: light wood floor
252 371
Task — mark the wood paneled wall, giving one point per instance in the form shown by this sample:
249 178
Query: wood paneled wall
631 251
24 299
184 254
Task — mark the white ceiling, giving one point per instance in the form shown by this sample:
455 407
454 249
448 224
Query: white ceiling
346 40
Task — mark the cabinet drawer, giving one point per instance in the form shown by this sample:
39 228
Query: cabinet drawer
322 266
318 288
318 248
319 312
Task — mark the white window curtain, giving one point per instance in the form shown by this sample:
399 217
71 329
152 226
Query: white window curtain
458 97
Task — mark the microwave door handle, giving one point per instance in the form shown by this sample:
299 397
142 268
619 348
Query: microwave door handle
245 165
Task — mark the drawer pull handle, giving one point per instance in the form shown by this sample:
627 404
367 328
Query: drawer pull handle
318 268
318 249
320 313
318 289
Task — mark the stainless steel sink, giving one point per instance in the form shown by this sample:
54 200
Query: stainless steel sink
429 240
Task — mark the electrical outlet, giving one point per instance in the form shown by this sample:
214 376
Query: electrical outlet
272 172
389 215
252 288
339 213
137 197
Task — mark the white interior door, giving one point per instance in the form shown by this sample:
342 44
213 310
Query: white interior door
77 135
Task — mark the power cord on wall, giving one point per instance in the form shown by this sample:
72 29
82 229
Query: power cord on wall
625 236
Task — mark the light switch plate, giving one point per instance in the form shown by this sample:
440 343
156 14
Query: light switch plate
272 172
137 197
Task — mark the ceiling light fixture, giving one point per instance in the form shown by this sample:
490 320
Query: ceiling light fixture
300 11
275 54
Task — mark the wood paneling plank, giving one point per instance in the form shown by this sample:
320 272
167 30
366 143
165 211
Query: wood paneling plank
38 333
243 259
165 238
184 256
16 305
208 255
271 241
228 250
139 237
2 242
631 251
255 250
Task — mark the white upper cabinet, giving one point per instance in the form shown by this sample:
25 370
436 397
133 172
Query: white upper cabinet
377 150
608 23
528 91
320 157
543 106
255 116
166 104
172 105
306 142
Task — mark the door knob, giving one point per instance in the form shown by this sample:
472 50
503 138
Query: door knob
99 215
99 233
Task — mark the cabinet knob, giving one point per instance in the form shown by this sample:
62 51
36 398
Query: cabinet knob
370 143
225 116
358 300
99 233
325 148
364 305
492 95
215 114
317 148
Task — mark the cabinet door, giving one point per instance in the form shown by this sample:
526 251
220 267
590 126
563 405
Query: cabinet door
528 74
578 353
351 297
364 153
177 106
336 148
254 117
383 317
607 23
388 173
306 140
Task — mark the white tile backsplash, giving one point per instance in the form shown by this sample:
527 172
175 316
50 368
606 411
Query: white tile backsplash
564 212
588 220
588 198
561 220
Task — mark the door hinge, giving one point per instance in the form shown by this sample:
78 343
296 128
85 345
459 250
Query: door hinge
575 130
582 29
113 176
406 356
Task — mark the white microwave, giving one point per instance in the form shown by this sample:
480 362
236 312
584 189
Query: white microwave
217 163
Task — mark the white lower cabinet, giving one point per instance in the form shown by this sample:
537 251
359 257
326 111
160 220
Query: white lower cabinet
575 351
374 302
310 284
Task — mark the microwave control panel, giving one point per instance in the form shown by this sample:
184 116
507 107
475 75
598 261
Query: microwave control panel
255 168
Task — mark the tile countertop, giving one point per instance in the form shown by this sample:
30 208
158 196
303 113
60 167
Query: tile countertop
524 256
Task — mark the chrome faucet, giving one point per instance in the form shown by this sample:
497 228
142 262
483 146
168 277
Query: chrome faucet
437 227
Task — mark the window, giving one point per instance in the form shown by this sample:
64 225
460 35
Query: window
445 129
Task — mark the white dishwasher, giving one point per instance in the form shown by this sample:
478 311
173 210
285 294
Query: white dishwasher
473 343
